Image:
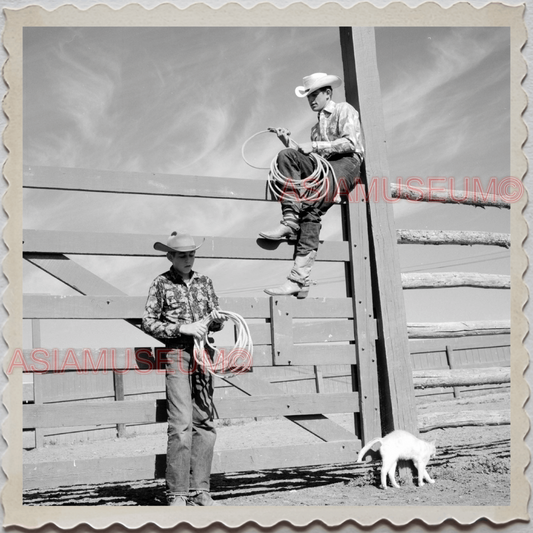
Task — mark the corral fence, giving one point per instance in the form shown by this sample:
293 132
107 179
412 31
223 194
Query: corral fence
312 358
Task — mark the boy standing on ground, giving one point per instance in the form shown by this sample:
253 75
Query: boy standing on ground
336 137
182 306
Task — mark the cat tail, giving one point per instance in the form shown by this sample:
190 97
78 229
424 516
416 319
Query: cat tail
366 448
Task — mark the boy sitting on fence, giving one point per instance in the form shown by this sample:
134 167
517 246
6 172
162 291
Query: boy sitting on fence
178 302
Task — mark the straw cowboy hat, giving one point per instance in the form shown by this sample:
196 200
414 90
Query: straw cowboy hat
178 242
317 81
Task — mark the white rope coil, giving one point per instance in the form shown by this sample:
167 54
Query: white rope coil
310 189
226 364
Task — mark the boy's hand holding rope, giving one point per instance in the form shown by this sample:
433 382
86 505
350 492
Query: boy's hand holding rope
237 360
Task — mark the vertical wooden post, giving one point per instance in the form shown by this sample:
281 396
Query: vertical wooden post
281 329
118 382
450 359
363 90
319 379
37 378
365 376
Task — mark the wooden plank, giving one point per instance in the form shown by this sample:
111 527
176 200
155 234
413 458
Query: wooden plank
326 331
281 328
27 392
461 377
118 382
458 343
398 409
365 376
288 404
451 363
141 245
28 440
322 307
150 411
72 274
37 379
420 330
120 306
429 421
124 469
149 183
91 360
285 456
443 280
463 238
319 379
83 307
317 424
421 194
82 413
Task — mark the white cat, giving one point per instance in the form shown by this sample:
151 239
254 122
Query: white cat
402 445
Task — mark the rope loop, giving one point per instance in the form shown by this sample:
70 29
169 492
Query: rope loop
226 364
311 189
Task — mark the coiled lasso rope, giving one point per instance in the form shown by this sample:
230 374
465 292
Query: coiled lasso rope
237 361
312 188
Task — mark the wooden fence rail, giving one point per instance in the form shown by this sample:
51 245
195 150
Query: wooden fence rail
462 238
441 280
420 194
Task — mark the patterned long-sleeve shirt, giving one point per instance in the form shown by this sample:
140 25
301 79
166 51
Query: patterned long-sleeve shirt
172 303
338 130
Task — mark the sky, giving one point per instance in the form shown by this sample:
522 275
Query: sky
183 101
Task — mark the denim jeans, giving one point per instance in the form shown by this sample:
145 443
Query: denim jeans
191 430
297 166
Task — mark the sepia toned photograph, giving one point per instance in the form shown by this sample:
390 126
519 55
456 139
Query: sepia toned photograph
265 266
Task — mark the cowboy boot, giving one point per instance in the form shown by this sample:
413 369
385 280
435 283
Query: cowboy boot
281 232
297 283
290 288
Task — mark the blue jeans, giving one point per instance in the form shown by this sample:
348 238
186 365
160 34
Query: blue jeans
297 166
191 430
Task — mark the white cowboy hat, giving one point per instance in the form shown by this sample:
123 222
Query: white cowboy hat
178 242
317 81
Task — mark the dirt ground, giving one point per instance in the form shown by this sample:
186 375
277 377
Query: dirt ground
472 467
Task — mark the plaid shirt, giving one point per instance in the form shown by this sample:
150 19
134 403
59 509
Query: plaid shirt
172 303
338 130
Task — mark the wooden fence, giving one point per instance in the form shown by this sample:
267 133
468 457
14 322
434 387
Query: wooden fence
366 332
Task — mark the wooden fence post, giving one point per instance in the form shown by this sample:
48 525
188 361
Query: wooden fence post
363 90
37 378
451 364
281 328
358 277
118 384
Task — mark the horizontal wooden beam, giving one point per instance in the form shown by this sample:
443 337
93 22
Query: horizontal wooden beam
124 469
328 331
424 330
148 183
142 412
441 280
461 377
458 343
463 238
420 194
122 244
106 359
115 307
111 307
429 421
